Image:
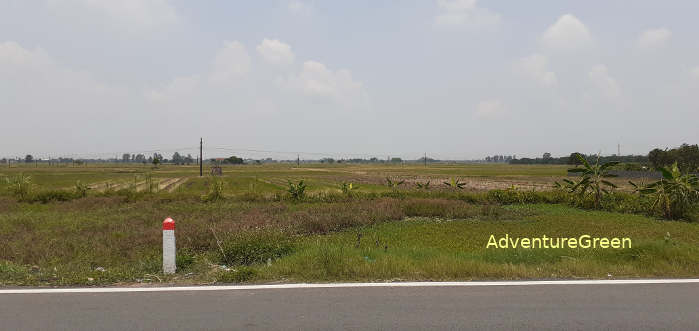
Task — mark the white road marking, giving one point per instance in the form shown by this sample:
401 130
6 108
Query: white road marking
341 285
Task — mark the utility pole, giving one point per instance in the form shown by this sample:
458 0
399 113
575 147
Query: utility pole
618 150
425 160
201 157
298 160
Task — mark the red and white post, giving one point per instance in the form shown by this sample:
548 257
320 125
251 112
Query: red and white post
169 266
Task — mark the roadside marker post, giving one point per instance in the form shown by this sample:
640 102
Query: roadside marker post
169 266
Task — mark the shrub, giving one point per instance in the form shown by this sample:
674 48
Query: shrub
254 247
20 186
81 189
675 194
455 183
51 195
347 188
297 191
394 184
593 178
215 192
438 208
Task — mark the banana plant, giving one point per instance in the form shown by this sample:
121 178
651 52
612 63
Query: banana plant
567 184
81 189
297 191
593 178
455 183
394 183
347 188
674 193
423 186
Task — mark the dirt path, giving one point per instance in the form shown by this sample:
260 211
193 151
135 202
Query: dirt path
177 184
111 185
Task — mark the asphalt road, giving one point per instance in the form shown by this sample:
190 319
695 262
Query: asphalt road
538 307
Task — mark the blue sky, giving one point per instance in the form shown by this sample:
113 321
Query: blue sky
458 79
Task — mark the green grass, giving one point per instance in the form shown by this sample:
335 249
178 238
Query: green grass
436 234
439 249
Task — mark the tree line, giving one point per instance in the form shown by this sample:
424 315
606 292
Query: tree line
686 156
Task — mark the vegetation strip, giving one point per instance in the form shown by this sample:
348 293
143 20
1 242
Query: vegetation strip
355 223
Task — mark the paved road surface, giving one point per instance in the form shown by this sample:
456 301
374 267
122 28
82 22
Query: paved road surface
537 307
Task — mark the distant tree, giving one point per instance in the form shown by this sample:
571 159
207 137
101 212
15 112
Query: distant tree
573 159
188 159
327 160
126 157
156 159
686 156
233 160
656 157
177 158
396 160
29 158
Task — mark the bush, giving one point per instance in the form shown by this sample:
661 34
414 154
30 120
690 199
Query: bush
676 195
51 195
438 208
20 186
297 191
81 189
215 192
254 247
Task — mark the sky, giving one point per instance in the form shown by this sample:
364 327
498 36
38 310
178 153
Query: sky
456 79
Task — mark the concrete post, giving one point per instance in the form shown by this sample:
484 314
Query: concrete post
169 266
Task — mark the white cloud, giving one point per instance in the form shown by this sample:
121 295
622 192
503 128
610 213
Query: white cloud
40 75
600 77
276 52
229 66
654 38
457 5
180 86
315 79
489 109
44 96
464 13
568 33
535 67
300 8
133 16
232 61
